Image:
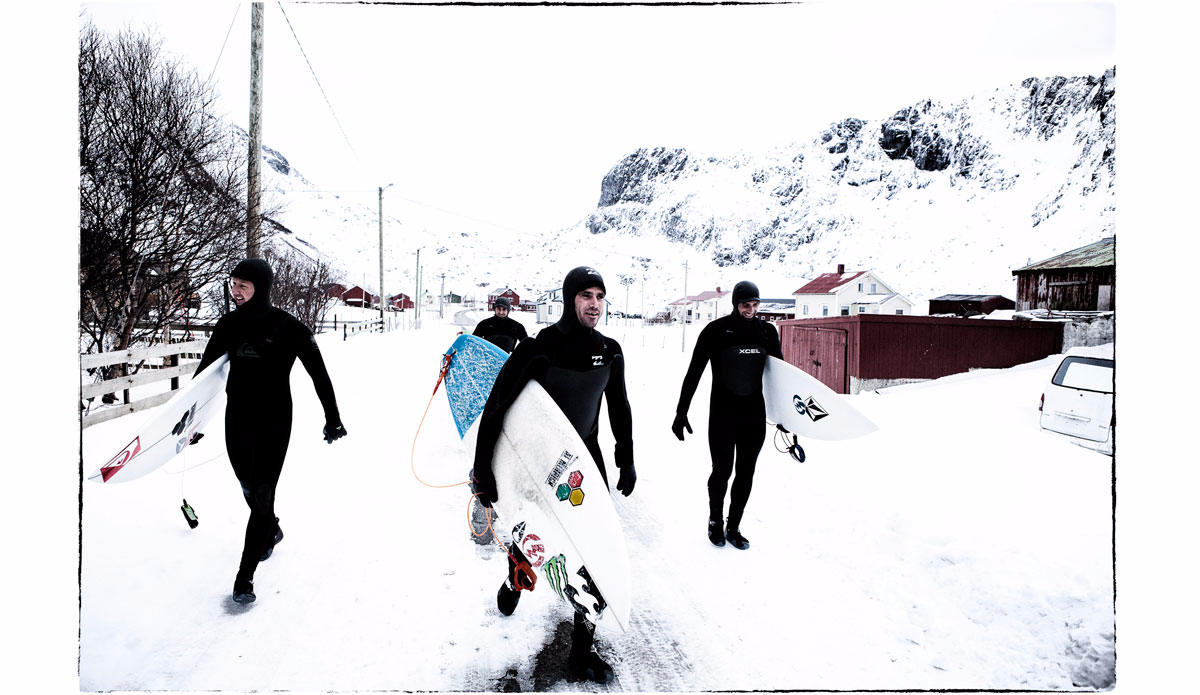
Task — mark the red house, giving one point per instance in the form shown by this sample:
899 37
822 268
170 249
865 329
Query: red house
400 302
357 296
513 299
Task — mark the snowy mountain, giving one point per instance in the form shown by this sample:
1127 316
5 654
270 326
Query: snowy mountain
937 198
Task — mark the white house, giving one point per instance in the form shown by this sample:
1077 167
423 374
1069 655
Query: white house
699 308
848 293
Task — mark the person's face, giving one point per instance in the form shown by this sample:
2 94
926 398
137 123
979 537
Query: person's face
242 290
748 309
501 310
588 305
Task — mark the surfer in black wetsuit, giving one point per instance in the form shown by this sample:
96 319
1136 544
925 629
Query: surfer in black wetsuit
499 329
263 343
577 365
737 345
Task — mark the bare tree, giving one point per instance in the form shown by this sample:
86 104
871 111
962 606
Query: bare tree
301 284
161 189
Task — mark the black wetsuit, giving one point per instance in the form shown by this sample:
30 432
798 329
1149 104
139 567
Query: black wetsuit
263 343
577 366
504 332
738 348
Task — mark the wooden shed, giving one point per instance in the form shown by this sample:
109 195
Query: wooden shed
1083 279
868 351
969 304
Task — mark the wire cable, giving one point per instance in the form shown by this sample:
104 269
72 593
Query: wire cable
226 41
319 87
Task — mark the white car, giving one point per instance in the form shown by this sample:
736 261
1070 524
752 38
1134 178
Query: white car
1078 401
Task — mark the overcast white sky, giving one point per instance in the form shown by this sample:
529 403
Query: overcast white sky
514 114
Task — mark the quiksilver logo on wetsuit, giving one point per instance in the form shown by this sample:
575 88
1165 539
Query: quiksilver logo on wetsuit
246 350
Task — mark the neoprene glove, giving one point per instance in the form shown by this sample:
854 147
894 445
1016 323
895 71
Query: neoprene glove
680 423
333 431
627 479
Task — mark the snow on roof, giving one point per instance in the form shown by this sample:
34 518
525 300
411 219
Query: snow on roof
828 282
874 298
1098 255
705 296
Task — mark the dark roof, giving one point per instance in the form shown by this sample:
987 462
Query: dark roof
966 297
825 284
1101 254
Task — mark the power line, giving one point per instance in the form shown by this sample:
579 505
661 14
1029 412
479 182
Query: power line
322 89
226 41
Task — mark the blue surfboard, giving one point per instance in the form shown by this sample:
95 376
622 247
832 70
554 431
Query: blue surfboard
474 365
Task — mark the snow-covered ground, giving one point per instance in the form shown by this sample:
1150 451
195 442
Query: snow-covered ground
957 547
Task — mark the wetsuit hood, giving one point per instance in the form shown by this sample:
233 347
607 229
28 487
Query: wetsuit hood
257 271
578 280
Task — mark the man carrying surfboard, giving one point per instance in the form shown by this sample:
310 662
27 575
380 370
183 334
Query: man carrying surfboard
737 346
499 329
263 342
577 366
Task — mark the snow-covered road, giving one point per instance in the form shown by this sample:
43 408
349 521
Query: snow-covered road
957 547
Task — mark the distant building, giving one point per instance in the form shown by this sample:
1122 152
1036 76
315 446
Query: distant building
1083 279
357 296
507 293
400 302
847 294
969 304
776 309
698 308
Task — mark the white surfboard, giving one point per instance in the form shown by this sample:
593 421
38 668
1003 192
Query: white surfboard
170 428
807 407
560 512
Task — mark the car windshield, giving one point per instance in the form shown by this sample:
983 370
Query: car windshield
1086 373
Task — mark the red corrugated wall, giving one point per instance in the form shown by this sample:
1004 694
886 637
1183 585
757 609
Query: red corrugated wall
879 346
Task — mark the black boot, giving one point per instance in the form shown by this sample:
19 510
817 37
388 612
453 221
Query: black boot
716 534
506 599
583 663
275 542
243 590
736 539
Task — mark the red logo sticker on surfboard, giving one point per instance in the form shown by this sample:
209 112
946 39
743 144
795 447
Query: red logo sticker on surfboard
118 462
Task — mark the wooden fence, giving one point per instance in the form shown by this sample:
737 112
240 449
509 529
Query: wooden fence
150 365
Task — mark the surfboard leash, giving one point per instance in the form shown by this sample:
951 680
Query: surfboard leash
524 578
793 449
412 455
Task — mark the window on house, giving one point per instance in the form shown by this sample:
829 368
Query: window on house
806 310
862 309
845 311
874 288
860 286
824 310
899 311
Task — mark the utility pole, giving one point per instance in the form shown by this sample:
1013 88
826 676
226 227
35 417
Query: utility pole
381 294
254 169
417 298
687 309
442 297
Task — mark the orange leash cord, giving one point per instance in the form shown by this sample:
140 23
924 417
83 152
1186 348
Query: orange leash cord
522 568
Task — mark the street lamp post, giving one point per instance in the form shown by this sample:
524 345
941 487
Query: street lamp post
381 294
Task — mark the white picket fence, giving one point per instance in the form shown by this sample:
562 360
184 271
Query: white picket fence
148 366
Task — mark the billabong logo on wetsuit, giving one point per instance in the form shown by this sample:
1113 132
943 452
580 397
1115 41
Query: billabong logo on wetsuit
597 360
565 459
809 407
